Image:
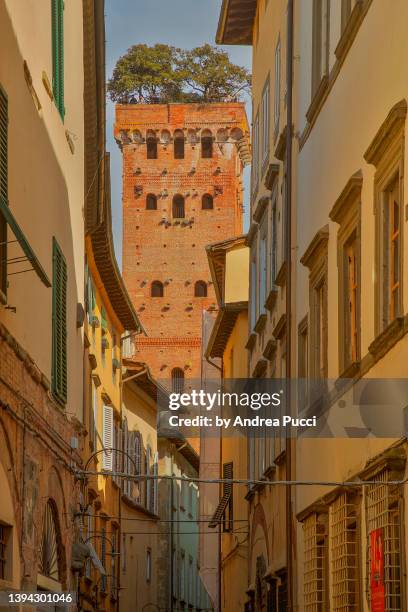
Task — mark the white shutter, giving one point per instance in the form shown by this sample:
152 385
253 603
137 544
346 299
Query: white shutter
107 438
155 483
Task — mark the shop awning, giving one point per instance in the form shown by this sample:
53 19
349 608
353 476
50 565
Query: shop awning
22 240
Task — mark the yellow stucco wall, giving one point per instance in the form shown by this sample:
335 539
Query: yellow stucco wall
236 275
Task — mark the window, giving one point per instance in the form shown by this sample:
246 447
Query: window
178 207
344 548
274 240
151 201
49 559
320 53
93 415
114 562
276 101
177 380
183 577
107 438
315 583
392 249
265 123
200 289
262 262
315 258
206 144
351 300
148 565
157 289
207 202
253 301
5 551
386 153
148 480
178 144
383 510
3 189
59 324
303 360
255 154
151 145
228 490
57 22
155 507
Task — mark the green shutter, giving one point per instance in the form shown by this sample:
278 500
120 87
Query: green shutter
57 17
3 188
59 324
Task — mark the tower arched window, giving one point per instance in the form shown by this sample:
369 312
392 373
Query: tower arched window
157 289
207 202
178 144
178 207
177 380
151 201
206 144
151 145
200 289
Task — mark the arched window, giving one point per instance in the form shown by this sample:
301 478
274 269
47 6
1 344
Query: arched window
50 561
207 202
151 145
157 289
200 289
206 144
178 144
151 201
177 380
178 207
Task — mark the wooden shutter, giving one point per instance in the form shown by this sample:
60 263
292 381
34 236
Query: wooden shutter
57 16
148 481
107 438
3 187
59 324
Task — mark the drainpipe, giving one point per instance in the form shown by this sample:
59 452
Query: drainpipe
288 227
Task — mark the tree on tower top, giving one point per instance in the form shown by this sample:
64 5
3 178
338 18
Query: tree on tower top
163 74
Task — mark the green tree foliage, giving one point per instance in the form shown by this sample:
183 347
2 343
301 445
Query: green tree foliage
161 74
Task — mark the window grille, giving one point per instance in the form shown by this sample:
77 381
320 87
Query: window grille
5 532
315 563
50 549
177 380
383 512
344 553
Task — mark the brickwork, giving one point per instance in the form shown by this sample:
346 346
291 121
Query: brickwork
36 457
161 245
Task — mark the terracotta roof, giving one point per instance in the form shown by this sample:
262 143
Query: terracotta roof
236 22
144 380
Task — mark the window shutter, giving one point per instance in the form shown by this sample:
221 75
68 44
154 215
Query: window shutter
126 437
148 481
155 483
107 438
57 16
3 187
59 323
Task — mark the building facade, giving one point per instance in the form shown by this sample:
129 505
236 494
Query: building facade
41 283
139 507
339 173
107 315
229 265
179 583
182 184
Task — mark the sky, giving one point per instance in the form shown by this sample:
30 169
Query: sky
181 23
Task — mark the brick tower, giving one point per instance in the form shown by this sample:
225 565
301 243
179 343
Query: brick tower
182 189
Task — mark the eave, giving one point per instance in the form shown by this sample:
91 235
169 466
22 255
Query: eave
236 22
223 326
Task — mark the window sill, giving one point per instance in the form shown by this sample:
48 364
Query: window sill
3 298
260 368
280 279
271 299
270 350
280 328
251 341
388 337
317 99
260 324
349 32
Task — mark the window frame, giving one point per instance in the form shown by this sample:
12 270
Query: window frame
265 106
151 198
320 43
277 88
